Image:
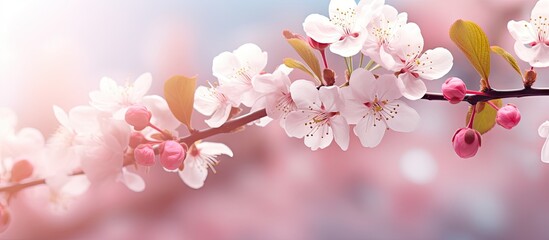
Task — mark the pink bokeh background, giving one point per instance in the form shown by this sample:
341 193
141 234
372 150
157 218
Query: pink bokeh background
412 186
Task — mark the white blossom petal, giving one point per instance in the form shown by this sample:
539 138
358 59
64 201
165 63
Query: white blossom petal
522 31
406 119
321 29
411 87
370 131
434 63
340 129
305 94
545 151
193 174
133 181
543 129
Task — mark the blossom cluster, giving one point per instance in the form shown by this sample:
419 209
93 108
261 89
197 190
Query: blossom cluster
322 113
124 130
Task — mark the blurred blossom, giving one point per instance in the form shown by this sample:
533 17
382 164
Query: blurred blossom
418 166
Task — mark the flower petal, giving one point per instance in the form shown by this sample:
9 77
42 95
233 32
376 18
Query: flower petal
141 85
340 128
386 87
411 87
369 131
339 8
330 98
224 66
321 29
543 129
214 149
305 95
434 63
220 116
296 123
522 31
204 100
133 181
406 119
252 56
545 151
541 10
408 44
161 113
193 174
362 84
349 46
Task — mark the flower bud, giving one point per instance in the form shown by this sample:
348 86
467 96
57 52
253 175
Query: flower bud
529 78
21 170
138 116
466 142
454 90
172 155
144 155
316 45
329 77
4 218
508 116
137 138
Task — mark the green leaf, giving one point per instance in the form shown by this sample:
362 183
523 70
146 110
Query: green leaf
485 117
179 93
306 53
472 41
508 57
292 63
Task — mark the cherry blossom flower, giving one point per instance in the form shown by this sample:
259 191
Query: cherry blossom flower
543 132
201 156
64 189
275 88
345 30
317 118
413 67
532 38
372 105
382 30
236 70
212 102
115 99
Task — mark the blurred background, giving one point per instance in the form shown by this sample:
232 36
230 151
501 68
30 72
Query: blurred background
412 186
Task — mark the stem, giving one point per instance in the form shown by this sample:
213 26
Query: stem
493 105
472 119
323 54
369 64
361 60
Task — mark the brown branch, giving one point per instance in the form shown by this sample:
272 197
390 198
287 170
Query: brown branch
494 94
245 119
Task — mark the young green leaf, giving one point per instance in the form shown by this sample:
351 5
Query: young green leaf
472 41
508 57
292 63
306 53
485 117
179 93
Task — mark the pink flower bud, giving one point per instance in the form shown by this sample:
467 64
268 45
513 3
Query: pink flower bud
316 45
4 218
137 138
172 155
466 142
144 155
21 170
508 116
454 90
138 116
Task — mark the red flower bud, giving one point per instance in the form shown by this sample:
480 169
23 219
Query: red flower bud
144 155
137 138
508 116
454 90
172 155
466 142
138 116
21 170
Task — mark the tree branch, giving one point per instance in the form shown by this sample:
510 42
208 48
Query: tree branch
494 94
245 119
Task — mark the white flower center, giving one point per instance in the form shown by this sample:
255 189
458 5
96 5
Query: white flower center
345 18
541 25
